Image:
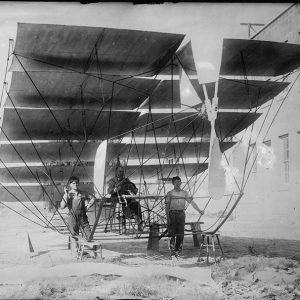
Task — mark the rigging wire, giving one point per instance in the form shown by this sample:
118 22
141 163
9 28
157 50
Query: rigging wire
102 78
55 119
21 214
37 154
5 76
221 216
219 124
1 105
31 211
32 82
2 130
72 212
176 134
186 146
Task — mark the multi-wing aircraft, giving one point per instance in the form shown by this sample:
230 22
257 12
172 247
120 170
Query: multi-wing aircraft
82 100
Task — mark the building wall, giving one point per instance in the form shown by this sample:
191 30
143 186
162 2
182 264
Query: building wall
284 28
270 207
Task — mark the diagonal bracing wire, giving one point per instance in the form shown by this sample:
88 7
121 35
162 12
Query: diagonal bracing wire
50 177
31 211
34 176
3 88
20 214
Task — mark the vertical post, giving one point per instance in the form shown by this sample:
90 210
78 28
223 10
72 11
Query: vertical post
69 242
102 200
195 230
153 241
251 27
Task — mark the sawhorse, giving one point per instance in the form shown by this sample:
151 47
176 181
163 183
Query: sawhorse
208 241
93 247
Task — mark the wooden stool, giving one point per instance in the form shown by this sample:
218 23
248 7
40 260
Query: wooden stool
208 241
90 247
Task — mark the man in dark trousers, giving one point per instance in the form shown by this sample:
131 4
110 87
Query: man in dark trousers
175 211
119 186
78 203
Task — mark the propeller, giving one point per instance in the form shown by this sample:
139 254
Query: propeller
99 170
216 172
190 98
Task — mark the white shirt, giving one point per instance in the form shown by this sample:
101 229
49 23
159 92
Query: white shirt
178 202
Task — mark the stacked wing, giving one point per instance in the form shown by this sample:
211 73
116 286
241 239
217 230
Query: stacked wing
73 87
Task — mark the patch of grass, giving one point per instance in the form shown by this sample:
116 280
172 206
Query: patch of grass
114 286
48 288
135 289
281 263
297 283
234 269
163 286
39 290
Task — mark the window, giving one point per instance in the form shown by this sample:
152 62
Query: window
267 155
285 157
253 158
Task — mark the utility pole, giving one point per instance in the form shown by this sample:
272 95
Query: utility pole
251 27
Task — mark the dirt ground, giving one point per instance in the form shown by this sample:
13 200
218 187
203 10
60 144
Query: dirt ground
252 268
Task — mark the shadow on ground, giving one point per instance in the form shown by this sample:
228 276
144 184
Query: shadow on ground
233 247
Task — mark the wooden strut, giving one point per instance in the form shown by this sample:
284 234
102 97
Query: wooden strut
96 220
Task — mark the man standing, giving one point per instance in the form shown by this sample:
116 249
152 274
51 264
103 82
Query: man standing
78 203
175 211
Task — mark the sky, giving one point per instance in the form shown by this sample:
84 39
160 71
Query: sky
206 24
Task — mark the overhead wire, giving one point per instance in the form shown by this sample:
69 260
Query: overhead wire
36 152
1 105
34 176
30 210
21 214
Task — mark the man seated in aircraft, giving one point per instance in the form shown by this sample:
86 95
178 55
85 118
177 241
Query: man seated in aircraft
119 186
78 203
